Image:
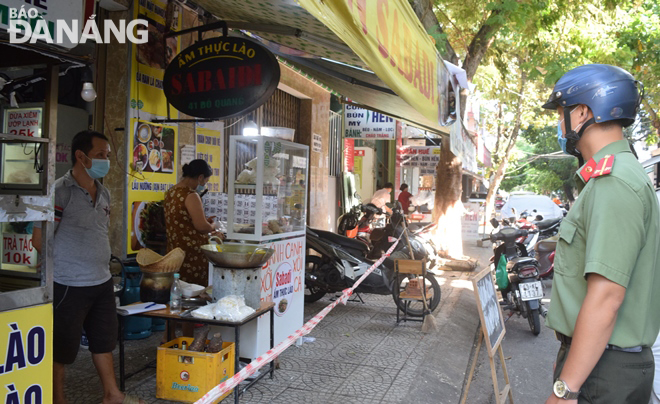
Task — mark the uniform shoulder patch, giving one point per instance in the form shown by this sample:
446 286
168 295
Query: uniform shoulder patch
604 166
588 170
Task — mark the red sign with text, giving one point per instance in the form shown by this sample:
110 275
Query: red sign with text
349 150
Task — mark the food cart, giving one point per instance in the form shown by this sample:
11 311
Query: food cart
268 190
27 173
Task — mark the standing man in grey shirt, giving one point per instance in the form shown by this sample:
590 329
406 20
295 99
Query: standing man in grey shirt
83 288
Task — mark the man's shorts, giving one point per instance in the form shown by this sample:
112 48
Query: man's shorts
91 307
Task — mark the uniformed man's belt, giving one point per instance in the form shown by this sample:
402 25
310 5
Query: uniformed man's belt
567 341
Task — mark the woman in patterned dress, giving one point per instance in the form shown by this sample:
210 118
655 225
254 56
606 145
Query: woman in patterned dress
185 223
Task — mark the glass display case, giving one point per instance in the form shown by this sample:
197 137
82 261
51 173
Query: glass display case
267 188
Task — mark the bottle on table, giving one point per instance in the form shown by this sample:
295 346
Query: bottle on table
175 295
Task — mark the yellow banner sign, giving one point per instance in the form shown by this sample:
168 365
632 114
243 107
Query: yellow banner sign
26 356
389 38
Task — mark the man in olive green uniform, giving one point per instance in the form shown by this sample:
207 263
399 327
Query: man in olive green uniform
605 309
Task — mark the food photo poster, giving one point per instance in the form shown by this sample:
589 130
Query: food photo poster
152 169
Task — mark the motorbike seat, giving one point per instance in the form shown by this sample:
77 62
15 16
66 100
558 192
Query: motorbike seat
546 224
354 246
518 261
547 245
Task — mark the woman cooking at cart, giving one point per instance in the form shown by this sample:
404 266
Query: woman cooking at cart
185 223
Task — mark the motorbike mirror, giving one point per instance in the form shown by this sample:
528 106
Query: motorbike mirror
494 222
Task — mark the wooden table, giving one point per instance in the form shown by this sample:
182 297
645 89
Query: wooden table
171 318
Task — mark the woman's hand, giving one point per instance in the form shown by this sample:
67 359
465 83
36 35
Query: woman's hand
210 219
218 234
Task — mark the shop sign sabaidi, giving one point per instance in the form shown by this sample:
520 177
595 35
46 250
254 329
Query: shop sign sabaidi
362 123
283 290
221 77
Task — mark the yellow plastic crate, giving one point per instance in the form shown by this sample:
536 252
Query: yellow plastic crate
179 380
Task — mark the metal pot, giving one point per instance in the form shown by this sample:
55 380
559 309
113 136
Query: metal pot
155 287
239 256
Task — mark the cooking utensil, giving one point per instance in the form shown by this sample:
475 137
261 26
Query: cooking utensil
253 252
240 256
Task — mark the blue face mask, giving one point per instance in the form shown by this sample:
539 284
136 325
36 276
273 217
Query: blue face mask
99 168
200 188
560 137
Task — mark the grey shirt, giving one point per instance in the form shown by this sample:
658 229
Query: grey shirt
81 246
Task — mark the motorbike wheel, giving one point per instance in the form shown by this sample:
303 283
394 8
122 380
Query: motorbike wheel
416 308
533 318
312 265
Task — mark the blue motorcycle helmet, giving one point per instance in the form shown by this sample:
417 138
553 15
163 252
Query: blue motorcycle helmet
610 92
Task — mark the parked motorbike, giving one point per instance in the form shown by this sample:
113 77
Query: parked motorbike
383 238
548 228
525 290
342 260
545 253
357 222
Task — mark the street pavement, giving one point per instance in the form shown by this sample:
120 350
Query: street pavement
360 355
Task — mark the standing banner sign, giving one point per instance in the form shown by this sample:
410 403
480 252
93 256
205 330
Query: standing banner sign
26 359
362 123
492 326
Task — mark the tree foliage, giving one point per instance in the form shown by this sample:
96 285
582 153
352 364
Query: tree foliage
534 170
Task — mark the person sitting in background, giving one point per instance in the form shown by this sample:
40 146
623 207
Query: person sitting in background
404 197
383 196
185 223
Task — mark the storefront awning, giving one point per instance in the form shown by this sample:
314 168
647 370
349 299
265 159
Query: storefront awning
387 62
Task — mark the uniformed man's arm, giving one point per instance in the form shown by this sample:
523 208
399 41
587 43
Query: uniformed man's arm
593 329
615 234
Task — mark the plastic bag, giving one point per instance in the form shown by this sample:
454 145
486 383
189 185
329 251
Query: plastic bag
501 276
232 308
205 312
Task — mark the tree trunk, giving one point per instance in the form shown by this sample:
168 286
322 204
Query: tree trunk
498 176
448 207
424 11
654 117
568 191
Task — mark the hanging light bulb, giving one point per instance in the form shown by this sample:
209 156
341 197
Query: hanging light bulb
251 128
88 94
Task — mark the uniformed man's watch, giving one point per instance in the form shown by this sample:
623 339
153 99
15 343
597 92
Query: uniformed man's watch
561 390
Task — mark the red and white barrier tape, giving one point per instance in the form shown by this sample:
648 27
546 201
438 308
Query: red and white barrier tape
219 390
